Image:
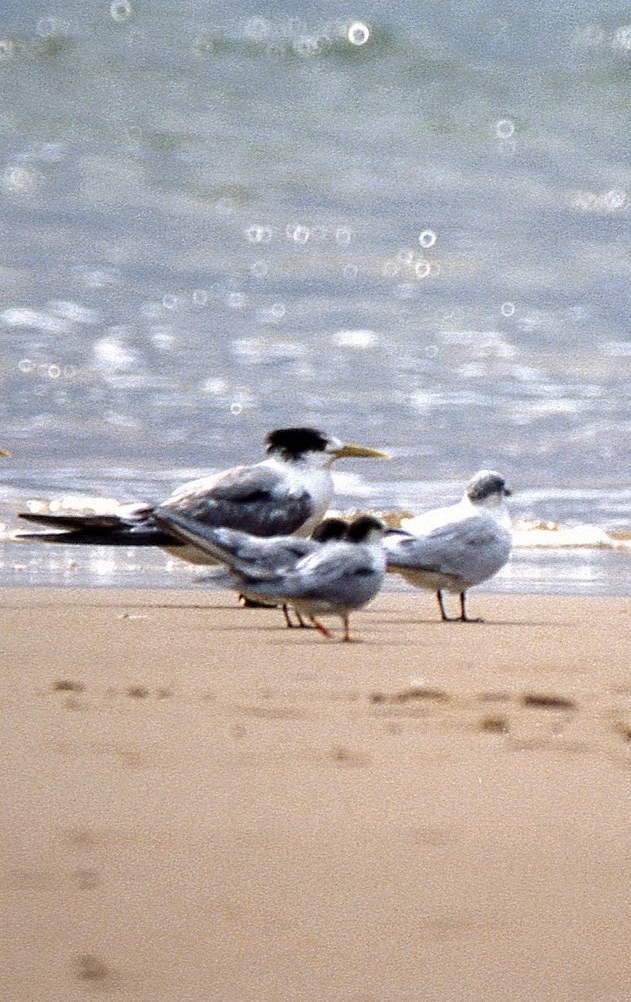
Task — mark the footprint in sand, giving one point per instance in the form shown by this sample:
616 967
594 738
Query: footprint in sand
89 967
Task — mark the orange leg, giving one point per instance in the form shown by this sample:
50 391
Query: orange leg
321 627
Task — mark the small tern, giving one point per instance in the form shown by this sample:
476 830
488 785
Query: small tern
251 554
235 548
455 547
288 492
340 575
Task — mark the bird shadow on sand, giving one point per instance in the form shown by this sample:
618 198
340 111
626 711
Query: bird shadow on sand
455 623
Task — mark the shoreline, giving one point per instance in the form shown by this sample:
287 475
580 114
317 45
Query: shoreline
538 571
200 803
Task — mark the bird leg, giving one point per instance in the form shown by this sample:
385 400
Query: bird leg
347 622
321 627
299 625
463 612
251 603
441 605
462 618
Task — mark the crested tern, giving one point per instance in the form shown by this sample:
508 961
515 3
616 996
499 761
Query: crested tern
455 547
288 492
340 575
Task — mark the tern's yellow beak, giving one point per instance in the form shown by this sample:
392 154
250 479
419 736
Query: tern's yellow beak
361 451
4 452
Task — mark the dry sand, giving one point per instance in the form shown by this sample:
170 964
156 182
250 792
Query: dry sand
201 805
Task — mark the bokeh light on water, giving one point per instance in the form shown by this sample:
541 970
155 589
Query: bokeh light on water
121 10
505 128
358 33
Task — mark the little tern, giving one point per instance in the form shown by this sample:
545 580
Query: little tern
286 493
340 575
251 554
235 548
455 547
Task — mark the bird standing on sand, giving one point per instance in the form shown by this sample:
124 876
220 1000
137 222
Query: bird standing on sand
340 575
455 547
235 548
288 492
254 554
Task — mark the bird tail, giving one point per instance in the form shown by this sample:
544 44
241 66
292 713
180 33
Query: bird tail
93 530
190 531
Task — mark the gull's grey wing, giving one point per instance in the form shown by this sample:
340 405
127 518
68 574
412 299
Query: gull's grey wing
255 499
473 549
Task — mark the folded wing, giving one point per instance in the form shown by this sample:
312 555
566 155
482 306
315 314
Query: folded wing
472 549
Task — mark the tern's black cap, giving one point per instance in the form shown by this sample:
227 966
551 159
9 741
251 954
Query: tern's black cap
296 441
330 528
360 528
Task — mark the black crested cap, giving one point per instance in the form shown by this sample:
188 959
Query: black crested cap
296 441
486 483
361 527
330 528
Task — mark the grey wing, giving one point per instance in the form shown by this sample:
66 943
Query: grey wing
271 552
233 547
254 499
349 575
314 571
472 549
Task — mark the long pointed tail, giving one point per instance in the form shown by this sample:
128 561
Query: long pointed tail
94 530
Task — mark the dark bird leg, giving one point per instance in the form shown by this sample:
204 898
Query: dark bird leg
462 618
301 625
441 605
463 612
347 623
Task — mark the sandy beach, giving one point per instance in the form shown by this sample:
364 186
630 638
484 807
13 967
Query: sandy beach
199 804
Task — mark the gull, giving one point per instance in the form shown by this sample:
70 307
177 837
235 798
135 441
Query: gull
455 547
287 492
340 575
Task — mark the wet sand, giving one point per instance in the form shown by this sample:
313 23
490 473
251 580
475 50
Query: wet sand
201 805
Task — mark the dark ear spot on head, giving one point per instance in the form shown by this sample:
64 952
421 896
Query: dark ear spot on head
485 484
